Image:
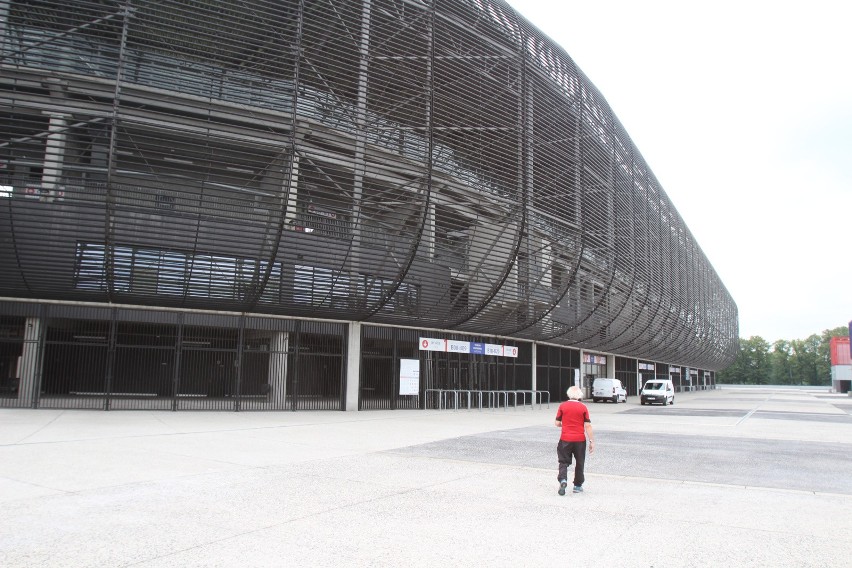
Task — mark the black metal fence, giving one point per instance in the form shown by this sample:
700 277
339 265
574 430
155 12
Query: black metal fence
92 357
555 368
381 351
73 357
626 372
17 354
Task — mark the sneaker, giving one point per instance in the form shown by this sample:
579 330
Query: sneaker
562 486
578 489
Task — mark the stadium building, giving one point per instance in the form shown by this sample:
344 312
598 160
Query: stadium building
327 204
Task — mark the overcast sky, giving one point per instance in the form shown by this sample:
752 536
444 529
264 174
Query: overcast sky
743 111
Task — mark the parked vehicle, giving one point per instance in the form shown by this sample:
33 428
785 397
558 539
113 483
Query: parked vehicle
660 391
608 389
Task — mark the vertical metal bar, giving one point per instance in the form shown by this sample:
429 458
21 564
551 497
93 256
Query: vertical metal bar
359 164
294 390
238 363
40 353
344 368
110 362
178 352
109 229
395 367
363 402
525 180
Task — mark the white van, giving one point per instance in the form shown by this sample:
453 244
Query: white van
608 389
657 390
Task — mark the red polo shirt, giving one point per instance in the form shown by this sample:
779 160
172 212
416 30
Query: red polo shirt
573 415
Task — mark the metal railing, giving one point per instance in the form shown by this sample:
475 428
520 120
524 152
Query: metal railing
492 399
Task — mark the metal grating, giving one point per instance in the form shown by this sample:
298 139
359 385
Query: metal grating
168 360
435 164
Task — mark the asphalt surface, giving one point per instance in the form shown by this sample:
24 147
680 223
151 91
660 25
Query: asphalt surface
733 477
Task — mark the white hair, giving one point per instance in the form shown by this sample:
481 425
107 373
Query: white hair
574 392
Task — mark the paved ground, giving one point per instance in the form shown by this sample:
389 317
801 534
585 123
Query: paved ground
734 477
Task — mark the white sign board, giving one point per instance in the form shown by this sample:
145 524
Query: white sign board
491 349
409 377
458 346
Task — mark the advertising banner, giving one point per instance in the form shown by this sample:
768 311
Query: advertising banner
471 347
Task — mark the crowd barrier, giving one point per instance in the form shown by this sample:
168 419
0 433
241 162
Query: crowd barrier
445 398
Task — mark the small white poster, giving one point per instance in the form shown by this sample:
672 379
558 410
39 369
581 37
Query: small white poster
409 377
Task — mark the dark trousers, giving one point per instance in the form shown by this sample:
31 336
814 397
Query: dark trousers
565 451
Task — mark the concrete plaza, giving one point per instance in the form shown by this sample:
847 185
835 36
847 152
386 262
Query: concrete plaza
731 477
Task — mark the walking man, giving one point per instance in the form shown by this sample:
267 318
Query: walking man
573 418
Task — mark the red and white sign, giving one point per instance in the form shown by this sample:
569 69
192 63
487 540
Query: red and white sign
427 344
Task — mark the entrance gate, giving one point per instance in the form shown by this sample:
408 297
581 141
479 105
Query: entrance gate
473 376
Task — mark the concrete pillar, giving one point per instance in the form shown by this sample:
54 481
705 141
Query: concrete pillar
28 362
4 18
429 230
638 378
291 208
278 368
353 365
534 360
54 155
546 258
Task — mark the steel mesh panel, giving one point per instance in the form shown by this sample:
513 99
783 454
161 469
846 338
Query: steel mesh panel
434 164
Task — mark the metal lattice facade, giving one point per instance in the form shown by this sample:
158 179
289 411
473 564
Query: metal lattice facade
434 164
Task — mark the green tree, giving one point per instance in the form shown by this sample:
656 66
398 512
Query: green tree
751 365
795 362
807 365
780 363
